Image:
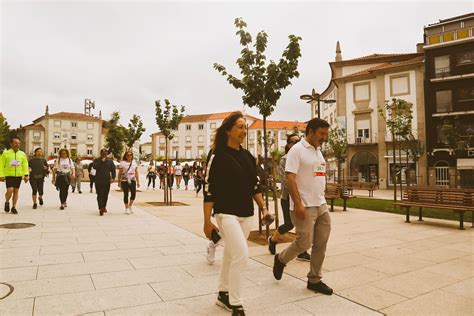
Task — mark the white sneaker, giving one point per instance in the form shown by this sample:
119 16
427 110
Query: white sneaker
130 209
127 211
211 253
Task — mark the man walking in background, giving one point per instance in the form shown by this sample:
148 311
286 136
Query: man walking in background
104 174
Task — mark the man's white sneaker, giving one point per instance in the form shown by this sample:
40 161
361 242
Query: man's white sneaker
127 211
131 210
211 253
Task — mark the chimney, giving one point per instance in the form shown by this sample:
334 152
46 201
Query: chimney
338 52
46 113
419 48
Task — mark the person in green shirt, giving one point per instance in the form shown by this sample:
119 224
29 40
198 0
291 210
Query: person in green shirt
13 168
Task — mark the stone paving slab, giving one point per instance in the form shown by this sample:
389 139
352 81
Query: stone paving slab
153 262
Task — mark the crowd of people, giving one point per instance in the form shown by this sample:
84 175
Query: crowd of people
230 179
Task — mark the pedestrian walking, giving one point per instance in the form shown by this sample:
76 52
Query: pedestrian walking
13 168
306 179
91 176
63 175
129 180
199 180
151 174
186 175
178 172
76 182
104 169
161 175
230 185
38 167
285 203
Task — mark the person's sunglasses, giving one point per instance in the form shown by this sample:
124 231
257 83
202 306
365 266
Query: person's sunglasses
293 142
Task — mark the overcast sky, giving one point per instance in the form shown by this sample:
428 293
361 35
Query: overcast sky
127 54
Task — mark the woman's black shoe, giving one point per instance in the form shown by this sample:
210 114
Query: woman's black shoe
35 206
40 201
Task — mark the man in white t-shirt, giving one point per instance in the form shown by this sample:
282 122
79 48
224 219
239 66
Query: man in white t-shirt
306 180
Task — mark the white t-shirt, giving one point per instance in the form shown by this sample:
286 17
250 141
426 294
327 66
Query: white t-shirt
128 174
309 166
178 170
64 165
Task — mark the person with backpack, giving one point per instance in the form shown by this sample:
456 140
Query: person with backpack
63 175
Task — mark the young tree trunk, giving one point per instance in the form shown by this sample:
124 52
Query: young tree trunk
165 195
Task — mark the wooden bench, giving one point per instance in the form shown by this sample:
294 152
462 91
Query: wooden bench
335 191
457 200
370 186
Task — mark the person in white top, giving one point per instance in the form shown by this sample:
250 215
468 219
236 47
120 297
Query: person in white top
129 180
178 172
63 175
306 180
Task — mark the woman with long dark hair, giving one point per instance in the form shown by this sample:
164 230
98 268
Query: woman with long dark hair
38 170
230 186
129 180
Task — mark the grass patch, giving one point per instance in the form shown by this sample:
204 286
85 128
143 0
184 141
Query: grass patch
380 205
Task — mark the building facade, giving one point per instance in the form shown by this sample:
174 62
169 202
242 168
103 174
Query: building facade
360 87
449 98
81 134
195 133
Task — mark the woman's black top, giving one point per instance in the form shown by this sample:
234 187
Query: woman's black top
231 181
37 168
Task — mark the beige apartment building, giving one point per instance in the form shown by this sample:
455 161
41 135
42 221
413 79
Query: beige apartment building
360 87
83 135
194 136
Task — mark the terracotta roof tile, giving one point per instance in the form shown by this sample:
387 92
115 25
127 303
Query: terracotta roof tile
288 125
210 116
37 127
386 65
70 116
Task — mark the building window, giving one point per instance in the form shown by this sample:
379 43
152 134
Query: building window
36 135
465 94
465 58
213 125
90 125
74 124
187 153
73 136
188 139
188 127
57 135
90 137
200 152
201 126
399 85
283 135
56 149
363 136
361 91
441 66
175 139
444 101
89 151
57 123
200 139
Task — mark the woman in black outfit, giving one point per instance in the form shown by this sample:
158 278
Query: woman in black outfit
230 186
38 170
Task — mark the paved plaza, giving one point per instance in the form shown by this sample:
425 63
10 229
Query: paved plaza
153 262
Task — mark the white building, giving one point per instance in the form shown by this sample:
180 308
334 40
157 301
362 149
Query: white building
81 134
195 133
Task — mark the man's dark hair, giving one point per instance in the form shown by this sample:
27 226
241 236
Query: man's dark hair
13 138
316 123
288 137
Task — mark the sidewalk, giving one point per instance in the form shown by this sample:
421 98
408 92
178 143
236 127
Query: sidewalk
153 262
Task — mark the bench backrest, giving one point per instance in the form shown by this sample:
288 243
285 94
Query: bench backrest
455 197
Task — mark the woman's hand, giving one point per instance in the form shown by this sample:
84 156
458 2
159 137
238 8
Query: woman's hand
208 227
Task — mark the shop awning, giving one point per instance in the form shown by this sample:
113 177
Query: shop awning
465 164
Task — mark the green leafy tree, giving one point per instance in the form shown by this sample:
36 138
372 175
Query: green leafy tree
116 135
262 82
398 117
168 117
4 133
135 130
338 142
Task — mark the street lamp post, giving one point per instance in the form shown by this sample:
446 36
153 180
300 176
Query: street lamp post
316 97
